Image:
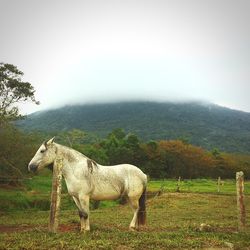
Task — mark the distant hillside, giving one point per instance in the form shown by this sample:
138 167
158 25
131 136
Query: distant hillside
205 125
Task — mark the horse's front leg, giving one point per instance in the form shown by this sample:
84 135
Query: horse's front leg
84 212
81 213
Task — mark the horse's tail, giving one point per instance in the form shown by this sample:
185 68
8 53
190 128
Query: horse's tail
142 209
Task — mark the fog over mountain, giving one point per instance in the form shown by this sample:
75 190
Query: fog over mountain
158 50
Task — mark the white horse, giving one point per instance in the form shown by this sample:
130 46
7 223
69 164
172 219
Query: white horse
85 180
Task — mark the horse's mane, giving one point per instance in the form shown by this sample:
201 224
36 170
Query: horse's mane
91 164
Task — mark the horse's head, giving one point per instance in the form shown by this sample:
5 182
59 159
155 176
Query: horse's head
44 156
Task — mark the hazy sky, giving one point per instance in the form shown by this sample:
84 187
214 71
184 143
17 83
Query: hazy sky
93 51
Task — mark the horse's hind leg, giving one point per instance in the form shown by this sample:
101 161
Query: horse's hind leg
134 203
82 214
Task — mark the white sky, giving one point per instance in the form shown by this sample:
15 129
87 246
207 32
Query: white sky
94 51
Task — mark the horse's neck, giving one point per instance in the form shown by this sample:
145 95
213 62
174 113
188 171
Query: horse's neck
70 157
67 153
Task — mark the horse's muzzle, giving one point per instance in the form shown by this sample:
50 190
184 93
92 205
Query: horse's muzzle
32 167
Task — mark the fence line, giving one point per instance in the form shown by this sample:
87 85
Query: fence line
17 178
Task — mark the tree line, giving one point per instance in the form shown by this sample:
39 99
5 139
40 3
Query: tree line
165 159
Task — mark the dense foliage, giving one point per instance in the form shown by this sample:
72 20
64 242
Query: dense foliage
206 125
16 149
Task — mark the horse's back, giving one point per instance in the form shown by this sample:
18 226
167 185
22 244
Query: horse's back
134 179
128 171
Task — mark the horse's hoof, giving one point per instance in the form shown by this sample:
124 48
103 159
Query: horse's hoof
132 229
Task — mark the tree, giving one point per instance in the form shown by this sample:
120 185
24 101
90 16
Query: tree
73 137
13 91
15 147
118 133
16 150
216 153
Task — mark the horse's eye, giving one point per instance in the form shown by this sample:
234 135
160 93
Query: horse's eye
42 151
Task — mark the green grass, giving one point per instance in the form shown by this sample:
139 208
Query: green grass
34 194
173 219
173 222
197 186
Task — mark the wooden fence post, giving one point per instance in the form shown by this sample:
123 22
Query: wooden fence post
240 200
55 195
178 185
218 184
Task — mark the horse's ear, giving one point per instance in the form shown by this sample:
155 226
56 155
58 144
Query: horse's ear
49 142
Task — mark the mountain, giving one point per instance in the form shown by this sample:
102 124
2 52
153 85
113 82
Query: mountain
207 125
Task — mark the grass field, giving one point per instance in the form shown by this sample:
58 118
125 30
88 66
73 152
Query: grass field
173 219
